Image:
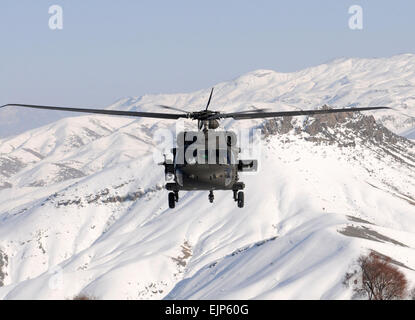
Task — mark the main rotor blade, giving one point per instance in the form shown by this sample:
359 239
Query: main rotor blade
108 112
210 98
254 110
171 108
256 115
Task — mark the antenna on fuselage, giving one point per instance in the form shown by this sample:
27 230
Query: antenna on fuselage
210 98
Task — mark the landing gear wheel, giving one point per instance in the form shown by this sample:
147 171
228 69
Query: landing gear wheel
172 200
240 199
176 195
211 197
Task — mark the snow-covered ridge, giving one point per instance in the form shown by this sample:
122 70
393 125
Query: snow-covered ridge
351 82
346 82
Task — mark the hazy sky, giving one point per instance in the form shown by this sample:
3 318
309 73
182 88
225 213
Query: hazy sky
111 49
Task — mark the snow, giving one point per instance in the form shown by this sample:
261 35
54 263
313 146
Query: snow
83 209
410 134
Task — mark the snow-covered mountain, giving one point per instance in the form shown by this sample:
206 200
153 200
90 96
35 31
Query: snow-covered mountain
83 209
340 83
410 134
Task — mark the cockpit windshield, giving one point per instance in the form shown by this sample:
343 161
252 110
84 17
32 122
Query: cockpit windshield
202 156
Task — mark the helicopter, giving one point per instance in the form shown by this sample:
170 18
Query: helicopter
204 160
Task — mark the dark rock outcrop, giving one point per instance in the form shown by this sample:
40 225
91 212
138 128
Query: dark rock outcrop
346 129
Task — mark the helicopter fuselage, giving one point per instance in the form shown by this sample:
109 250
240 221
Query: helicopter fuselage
206 161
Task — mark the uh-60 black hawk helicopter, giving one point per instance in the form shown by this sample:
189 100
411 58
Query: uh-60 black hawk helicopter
204 159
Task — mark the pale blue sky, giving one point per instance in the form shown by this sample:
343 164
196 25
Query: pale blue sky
110 49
